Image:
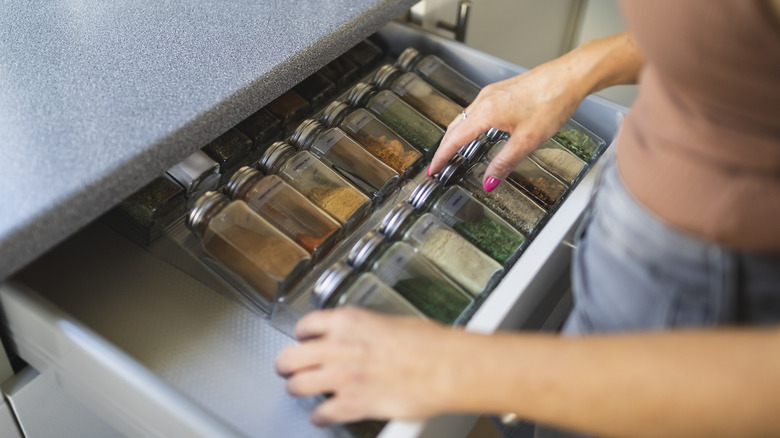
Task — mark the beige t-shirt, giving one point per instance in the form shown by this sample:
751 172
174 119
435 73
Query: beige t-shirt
701 146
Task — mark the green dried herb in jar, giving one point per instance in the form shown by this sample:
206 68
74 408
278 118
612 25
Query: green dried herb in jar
409 123
579 140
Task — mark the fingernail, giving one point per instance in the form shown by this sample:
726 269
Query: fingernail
428 171
491 184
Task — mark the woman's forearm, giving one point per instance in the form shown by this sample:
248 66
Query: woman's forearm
698 383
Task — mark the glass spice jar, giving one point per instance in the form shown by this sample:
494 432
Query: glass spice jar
290 108
441 75
557 160
318 182
578 140
373 135
285 208
470 218
341 286
263 128
412 275
231 150
316 89
409 123
532 180
143 215
471 268
197 173
349 158
364 54
419 94
248 246
506 200
341 71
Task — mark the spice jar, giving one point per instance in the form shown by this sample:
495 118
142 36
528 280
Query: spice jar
471 268
315 180
341 286
346 156
419 94
509 202
446 79
248 246
197 173
470 218
262 128
532 180
144 214
409 123
579 140
364 54
555 159
231 151
341 71
290 108
373 135
316 89
412 275
286 209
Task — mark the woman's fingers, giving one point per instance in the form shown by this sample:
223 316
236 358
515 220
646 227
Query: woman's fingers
298 357
459 133
515 149
314 381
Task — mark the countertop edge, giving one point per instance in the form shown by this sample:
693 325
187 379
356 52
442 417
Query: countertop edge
25 242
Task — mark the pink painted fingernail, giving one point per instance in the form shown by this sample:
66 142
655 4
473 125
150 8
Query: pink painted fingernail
428 171
491 184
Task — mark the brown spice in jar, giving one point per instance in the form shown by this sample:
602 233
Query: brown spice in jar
339 202
391 151
263 261
308 242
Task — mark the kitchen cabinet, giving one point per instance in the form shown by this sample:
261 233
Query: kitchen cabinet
155 351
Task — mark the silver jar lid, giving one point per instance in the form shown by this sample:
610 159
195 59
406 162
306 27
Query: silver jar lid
242 179
453 171
272 156
385 75
306 133
423 192
394 220
359 92
328 283
469 152
205 208
334 113
365 249
408 58
494 134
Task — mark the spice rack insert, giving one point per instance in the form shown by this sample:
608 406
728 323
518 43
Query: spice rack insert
293 303
181 248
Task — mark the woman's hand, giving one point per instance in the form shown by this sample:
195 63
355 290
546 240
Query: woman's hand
532 106
375 366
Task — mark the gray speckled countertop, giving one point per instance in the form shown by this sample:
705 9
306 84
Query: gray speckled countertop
98 98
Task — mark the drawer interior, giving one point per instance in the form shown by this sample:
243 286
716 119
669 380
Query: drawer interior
200 342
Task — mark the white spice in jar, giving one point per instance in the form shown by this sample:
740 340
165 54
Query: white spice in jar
559 162
460 260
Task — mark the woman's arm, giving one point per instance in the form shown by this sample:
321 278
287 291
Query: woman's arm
532 106
696 383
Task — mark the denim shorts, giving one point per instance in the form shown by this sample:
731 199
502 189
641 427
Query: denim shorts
632 272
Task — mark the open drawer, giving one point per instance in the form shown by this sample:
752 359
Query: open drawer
155 352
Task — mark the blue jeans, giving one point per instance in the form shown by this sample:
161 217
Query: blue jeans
632 272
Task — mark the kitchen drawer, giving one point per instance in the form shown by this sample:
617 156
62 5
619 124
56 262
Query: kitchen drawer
44 410
155 351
